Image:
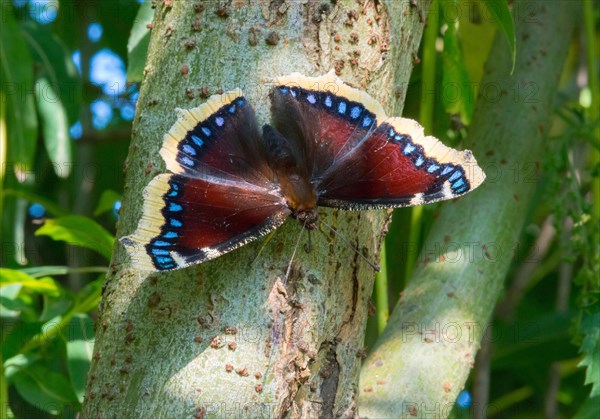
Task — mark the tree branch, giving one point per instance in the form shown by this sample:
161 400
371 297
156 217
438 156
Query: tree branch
199 341
424 356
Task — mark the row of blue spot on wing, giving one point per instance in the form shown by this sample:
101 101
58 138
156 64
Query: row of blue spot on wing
159 248
197 141
456 176
351 111
453 173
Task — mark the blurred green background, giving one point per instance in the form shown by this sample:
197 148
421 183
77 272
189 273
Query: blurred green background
70 74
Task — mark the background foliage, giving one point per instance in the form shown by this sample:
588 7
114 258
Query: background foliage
66 106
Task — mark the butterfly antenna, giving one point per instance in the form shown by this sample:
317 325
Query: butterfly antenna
347 243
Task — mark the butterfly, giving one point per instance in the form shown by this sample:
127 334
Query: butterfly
329 145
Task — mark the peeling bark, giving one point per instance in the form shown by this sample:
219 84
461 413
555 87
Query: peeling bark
227 337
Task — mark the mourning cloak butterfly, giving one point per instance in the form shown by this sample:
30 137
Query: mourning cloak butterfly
330 145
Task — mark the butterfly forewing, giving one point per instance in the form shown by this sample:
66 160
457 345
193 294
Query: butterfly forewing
218 139
326 117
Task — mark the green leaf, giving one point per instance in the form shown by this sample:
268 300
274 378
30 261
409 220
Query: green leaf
590 409
107 200
54 63
499 9
44 389
81 231
16 304
19 362
476 37
527 349
455 82
590 347
57 306
55 127
137 45
39 271
80 346
10 306
46 285
18 229
57 93
16 78
15 333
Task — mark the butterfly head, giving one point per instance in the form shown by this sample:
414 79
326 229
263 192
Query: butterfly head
308 218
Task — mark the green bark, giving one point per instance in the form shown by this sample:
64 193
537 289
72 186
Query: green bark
164 342
423 358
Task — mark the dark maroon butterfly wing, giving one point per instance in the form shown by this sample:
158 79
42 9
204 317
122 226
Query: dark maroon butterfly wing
220 195
398 166
324 118
218 139
189 220
370 160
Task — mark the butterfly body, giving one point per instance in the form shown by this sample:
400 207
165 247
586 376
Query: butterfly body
292 178
329 145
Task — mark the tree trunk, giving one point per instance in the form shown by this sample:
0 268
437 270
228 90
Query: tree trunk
435 330
199 341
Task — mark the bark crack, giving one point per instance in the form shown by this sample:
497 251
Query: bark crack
330 374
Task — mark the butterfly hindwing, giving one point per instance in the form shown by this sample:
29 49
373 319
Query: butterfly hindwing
327 117
188 220
397 166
